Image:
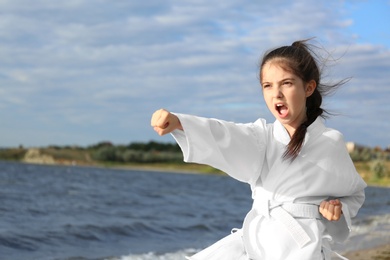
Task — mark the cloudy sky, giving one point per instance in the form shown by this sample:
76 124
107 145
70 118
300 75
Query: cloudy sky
78 72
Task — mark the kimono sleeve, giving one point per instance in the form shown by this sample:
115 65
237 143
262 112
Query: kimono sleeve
352 193
350 205
237 149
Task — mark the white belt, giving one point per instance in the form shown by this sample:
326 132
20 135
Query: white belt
286 214
292 225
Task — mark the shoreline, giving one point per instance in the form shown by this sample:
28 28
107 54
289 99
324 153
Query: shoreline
157 169
185 168
376 253
188 168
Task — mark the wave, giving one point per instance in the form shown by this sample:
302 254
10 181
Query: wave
367 225
368 232
179 255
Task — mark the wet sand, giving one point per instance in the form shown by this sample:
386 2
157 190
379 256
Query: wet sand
378 253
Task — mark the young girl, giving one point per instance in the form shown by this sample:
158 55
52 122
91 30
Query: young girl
305 188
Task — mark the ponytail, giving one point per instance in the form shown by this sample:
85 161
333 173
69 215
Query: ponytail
313 110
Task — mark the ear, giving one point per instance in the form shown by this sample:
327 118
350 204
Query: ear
310 87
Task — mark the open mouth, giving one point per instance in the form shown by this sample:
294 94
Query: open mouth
282 109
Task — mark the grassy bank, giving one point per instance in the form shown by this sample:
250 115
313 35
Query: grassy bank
168 167
368 173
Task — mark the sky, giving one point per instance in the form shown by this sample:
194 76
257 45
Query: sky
79 72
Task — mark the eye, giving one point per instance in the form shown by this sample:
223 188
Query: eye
287 83
266 86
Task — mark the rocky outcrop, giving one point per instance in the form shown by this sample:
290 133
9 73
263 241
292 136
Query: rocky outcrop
34 155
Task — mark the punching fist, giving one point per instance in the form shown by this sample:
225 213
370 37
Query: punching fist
331 210
164 122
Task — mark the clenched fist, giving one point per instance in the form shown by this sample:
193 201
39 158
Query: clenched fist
331 210
164 122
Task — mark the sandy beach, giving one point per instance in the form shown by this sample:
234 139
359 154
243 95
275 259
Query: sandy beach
378 253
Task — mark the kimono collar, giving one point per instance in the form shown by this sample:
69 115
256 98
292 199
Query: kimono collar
316 128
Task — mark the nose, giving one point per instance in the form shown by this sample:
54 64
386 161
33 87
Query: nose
278 93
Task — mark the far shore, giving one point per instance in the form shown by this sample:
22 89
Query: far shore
376 172
186 168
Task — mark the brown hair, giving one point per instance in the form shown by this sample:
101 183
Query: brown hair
300 60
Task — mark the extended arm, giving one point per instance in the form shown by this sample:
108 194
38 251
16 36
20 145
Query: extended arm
236 149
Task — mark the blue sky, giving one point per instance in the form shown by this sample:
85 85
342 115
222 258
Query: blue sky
78 72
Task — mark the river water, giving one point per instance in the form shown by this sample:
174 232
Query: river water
80 213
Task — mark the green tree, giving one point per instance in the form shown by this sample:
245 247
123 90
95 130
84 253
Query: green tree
378 169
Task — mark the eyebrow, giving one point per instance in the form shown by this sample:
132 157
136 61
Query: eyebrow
285 79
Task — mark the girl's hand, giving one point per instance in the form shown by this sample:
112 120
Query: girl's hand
164 122
331 210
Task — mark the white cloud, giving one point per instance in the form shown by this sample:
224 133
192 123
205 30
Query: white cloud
76 64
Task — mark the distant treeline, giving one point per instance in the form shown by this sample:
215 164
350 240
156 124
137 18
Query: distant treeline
137 152
151 152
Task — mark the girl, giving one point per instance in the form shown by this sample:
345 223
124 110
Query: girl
304 185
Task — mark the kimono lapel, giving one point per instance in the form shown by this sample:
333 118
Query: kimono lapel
283 176
315 129
280 133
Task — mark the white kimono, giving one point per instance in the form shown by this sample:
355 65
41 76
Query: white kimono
284 222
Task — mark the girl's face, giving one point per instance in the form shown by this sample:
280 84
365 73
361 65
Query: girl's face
285 95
